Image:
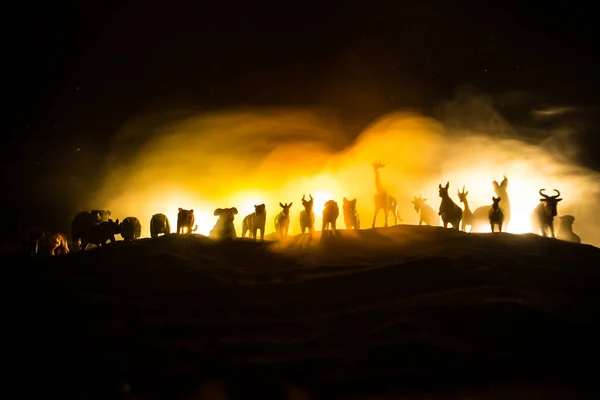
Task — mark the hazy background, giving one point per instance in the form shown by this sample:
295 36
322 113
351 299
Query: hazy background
96 96
241 157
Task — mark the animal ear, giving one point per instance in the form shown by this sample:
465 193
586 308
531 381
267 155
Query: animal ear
117 221
290 204
345 200
234 210
557 200
281 205
440 185
447 184
218 211
495 183
354 201
466 193
542 199
424 199
180 209
191 211
108 212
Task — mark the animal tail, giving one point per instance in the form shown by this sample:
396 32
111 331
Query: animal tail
195 228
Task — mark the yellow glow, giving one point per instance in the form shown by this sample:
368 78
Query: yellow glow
168 203
239 159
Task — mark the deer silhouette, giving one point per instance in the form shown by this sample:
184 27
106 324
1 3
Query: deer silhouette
282 220
450 212
307 217
543 215
480 215
496 215
426 213
467 216
383 201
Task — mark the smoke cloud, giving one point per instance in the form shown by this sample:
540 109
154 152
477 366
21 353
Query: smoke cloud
239 158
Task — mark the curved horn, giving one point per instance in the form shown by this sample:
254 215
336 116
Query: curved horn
557 194
542 194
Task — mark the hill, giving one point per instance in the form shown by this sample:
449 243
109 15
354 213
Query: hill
403 308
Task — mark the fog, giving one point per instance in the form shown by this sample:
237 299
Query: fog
238 158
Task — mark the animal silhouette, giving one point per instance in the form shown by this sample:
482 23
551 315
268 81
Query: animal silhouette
224 228
450 212
185 221
159 223
307 217
467 216
54 244
426 213
101 233
282 220
383 201
84 221
102 215
542 219
255 221
565 229
496 215
131 229
480 215
331 213
351 219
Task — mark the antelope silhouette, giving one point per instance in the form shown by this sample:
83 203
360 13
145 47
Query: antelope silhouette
450 212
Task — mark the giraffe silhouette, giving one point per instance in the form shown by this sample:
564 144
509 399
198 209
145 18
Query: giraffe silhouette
383 201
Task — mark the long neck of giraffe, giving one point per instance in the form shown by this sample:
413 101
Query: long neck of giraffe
378 184
466 203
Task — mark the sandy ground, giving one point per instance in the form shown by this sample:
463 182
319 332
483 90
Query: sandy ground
403 312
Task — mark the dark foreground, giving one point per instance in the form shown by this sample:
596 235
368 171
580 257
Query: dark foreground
405 310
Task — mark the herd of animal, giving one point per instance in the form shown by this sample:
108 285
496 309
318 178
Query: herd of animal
97 228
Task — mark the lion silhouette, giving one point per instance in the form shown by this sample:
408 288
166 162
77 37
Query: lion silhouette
185 221
255 221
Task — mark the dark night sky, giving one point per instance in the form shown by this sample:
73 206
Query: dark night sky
77 71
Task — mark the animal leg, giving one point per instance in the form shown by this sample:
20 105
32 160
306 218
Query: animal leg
375 216
500 227
386 212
